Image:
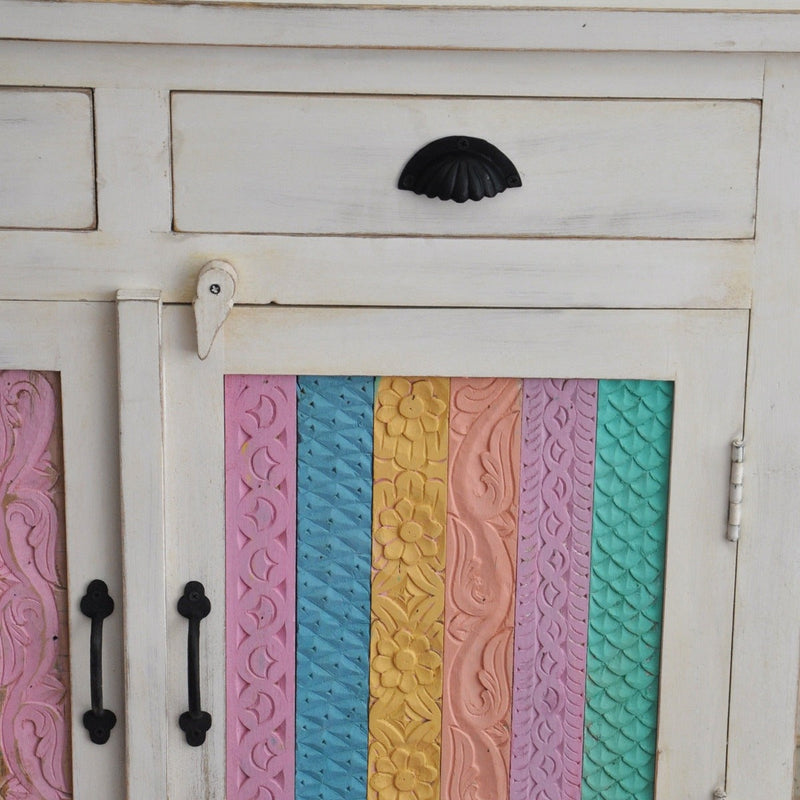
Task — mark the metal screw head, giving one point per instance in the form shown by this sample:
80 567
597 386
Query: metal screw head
215 288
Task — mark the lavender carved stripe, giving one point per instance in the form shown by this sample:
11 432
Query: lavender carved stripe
34 670
558 444
260 458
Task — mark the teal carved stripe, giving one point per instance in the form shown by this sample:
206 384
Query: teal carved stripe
334 545
634 421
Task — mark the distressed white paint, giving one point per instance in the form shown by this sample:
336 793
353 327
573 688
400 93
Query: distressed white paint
77 340
133 170
306 164
379 71
703 352
195 546
46 159
141 433
766 643
606 273
501 28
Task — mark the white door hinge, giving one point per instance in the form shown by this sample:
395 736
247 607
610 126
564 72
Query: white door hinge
735 491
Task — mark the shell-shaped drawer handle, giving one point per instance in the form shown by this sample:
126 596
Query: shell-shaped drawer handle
459 168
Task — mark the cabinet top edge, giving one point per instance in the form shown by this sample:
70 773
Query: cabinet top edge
578 25
677 6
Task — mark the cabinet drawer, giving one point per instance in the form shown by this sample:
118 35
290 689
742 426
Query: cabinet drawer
46 159
330 165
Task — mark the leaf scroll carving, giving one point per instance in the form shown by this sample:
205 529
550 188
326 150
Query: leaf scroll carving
35 758
479 608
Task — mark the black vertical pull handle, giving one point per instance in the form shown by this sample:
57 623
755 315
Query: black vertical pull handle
194 605
97 604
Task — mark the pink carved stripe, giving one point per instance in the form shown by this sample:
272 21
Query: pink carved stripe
481 545
35 757
260 458
557 474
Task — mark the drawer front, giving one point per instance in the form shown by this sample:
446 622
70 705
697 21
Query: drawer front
330 165
46 159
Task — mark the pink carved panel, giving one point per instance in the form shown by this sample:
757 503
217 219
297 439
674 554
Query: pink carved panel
260 445
35 748
481 552
557 471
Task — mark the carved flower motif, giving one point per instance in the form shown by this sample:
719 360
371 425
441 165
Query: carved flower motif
406 661
410 412
404 774
408 532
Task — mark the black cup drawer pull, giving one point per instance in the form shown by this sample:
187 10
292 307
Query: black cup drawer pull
459 168
194 605
97 604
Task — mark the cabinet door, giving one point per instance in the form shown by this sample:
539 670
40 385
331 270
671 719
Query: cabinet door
402 619
59 531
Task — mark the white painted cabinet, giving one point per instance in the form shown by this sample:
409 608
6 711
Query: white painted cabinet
654 237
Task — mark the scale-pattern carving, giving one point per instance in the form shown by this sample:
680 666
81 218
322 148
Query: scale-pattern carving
334 535
628 542
260 444
552 605
481 550
34 657
408 559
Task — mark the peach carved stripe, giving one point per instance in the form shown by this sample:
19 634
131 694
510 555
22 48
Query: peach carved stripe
260 458
35 758
558 445
409 514
480 575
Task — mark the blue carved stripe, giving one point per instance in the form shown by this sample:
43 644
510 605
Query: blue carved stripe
334 539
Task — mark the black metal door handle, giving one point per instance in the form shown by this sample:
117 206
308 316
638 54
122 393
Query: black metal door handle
194 605
97 604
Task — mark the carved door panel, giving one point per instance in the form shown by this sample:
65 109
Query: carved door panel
59 531
426 586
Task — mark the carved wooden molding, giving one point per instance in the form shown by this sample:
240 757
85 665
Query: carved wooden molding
260 443
409 511
334 538
557 476
480 577
634 433
35 758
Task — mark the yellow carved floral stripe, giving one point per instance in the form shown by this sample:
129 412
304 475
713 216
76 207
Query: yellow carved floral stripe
408 557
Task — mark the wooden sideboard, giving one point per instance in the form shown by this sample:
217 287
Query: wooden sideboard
655 236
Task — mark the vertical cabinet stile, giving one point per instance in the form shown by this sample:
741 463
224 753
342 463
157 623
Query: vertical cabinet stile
194 441
142 493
